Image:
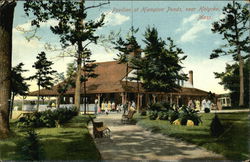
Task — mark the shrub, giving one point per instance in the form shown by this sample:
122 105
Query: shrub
48 118
156 107
163 115
30 148
216 128
153 115
207 110
173 115
143 113
189 114
166 105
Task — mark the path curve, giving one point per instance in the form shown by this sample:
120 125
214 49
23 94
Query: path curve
131 142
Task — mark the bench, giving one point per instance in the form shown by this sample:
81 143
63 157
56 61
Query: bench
100 130
126 119
25 114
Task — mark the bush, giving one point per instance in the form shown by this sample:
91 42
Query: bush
216 128
48 118
156 107
163 115
30 148
189 114
166 105
153 115
143 113
173 115
207 110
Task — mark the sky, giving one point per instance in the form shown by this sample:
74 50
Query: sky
188 23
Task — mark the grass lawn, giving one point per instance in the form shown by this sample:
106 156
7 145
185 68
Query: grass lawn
70 142
233 143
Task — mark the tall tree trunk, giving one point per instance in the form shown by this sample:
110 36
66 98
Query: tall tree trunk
6 24
78 85
85 97
138 102
12 105
138 94
241 62
84 87
58 101
126 79
38 98
79 67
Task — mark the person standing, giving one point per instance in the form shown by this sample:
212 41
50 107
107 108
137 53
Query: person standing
125 107
191 104
197 105
106 108
133 104
109 106
96 106
103 106
113 106
206 105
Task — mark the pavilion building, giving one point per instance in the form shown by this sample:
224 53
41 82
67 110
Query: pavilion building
111 85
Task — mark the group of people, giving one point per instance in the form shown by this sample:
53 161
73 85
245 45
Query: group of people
108 106
205 104
128 106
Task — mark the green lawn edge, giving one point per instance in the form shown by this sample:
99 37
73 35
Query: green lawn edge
70 142
233 144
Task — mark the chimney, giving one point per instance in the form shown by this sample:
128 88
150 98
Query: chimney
191 77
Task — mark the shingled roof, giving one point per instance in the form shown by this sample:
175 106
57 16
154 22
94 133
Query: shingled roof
109 80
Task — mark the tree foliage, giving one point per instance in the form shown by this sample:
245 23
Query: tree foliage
160 67
71 16
127 46
72 28
19 86
230 80
128 49
44 73
235 30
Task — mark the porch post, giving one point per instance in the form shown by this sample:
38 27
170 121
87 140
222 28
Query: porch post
154 98
166 95
138 102
122 95
171 98
177 101
141 95
99 100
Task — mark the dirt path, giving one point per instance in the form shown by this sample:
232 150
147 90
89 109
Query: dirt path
131 142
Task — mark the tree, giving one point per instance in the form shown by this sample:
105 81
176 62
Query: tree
230 80
6 24
72 28
128 49
88 72
235 31
44 73
160 66
18 85
65 82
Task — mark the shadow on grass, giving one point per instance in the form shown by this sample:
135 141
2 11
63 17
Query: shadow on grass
70 146
71 142
8 147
